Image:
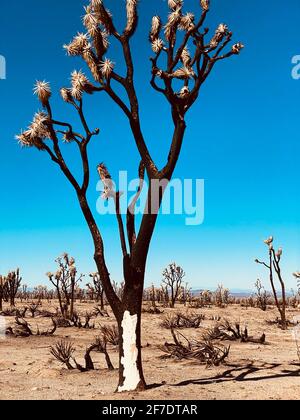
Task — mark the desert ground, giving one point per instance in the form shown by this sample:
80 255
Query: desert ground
252 371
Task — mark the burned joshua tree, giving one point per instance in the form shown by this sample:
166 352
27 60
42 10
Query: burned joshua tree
65 281
172 282
274 267
185 53
261 296
2 286
10 285
96 289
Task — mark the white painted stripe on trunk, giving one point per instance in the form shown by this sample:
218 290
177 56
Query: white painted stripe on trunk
129 360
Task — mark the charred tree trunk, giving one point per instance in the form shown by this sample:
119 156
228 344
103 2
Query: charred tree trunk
131 376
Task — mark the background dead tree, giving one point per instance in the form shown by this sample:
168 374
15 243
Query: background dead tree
119 289
204 299
173 276
65 281
261 296
165 295
221 296
185 294
205 351
23 294
297 277
184 53
97 288
2 286
41 293
293 300
11 286
152 295
273 266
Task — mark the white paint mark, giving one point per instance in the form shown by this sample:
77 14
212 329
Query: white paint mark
129 360
2 327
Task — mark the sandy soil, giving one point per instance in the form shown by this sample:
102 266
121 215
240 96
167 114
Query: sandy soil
252 371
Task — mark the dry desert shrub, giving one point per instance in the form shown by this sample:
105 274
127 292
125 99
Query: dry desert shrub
21 328
204 350
152 310
110 334
98 311
180 320
78 322
227 331
63 351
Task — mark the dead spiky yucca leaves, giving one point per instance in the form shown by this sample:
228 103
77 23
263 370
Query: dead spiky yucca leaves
64 350
204 350
181 320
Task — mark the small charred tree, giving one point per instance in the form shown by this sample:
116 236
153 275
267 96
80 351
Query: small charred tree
297 277
97 288
273 267
221 296
2 286
261 296
173 277
11 285
65 281
185 294
23 294
190 57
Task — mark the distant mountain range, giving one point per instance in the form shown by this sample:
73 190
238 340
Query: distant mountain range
234 292
240 293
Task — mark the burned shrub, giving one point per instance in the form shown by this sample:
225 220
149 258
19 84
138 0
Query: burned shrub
232 332
205 351
180 320
63 351
79 323
110 334
21 328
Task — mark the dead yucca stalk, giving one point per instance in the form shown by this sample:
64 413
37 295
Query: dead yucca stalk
205 351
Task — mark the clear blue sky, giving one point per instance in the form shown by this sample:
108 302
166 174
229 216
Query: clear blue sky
242 138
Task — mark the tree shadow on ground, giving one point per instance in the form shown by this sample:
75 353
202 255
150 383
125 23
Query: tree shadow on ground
238 373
